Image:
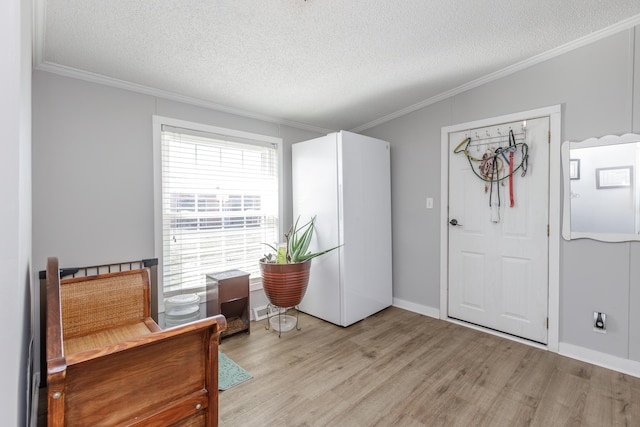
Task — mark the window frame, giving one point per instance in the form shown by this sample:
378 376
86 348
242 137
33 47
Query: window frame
157 123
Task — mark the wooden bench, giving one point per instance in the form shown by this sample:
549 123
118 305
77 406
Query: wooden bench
109 363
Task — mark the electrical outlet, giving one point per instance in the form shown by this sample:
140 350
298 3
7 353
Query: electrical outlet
599 322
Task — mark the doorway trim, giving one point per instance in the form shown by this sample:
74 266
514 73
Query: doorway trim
554 114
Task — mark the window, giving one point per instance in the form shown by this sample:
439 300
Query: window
218 201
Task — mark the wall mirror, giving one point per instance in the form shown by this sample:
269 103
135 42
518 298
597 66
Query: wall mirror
601 188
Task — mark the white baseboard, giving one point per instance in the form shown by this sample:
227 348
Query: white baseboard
417 308
626 366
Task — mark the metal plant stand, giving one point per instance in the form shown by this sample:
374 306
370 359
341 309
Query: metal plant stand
281 311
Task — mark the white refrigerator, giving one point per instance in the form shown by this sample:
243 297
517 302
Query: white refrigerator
344 180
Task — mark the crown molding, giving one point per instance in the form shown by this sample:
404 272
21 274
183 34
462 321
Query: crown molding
122 84
568 47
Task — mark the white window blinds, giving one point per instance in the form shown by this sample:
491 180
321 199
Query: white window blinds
219 205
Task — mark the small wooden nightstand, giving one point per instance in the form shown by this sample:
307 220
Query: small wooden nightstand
228 294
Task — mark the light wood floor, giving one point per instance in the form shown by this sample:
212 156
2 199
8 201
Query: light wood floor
399 369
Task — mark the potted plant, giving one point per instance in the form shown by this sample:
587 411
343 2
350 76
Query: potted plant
285 275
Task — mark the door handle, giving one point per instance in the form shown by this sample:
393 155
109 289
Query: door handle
454 222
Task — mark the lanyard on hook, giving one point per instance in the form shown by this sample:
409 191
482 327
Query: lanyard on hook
512 149
490 168
495 211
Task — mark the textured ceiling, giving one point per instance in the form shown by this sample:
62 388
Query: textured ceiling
332 64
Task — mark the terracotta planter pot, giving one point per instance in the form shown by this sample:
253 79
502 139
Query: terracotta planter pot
285 284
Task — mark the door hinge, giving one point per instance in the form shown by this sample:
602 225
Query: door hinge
547 323
549 137
548 230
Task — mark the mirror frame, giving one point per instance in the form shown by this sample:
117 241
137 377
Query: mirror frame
567 234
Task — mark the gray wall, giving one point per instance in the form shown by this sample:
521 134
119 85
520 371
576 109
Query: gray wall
93 168
596 86
15 210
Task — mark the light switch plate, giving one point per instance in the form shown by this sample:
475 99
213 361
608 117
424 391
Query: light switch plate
429 202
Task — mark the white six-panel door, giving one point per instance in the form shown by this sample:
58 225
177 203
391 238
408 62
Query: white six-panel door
498 256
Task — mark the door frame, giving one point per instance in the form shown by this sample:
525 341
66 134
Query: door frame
553 303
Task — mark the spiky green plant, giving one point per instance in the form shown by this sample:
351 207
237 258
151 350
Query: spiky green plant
298 240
